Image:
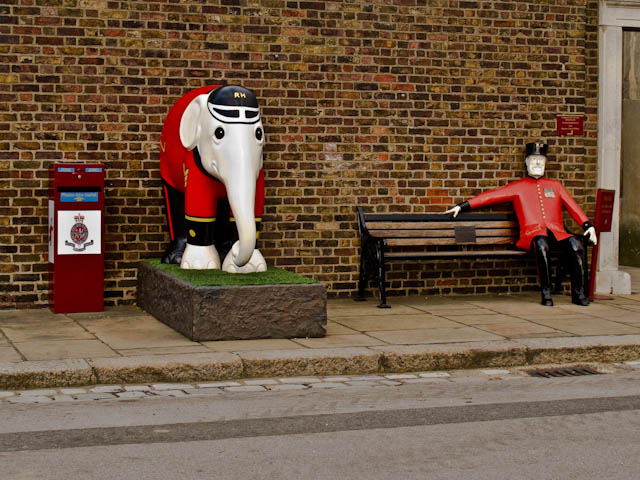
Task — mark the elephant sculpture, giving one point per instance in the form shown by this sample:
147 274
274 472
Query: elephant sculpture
212 179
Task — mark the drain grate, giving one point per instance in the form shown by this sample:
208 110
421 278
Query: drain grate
563 372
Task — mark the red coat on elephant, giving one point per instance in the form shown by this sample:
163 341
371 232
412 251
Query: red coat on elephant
182 169
538 206
210 160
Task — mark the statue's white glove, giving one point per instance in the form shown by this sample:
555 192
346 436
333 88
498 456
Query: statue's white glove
590 233
455 210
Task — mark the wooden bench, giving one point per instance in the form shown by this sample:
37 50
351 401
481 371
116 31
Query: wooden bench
388 237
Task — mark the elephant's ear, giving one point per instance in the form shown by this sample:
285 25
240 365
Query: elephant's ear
190 123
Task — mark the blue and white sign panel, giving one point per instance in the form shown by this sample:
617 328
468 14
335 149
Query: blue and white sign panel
78 196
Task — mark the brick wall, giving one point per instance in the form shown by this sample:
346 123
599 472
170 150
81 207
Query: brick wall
397 106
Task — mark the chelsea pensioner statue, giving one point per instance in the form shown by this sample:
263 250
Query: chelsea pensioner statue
538 203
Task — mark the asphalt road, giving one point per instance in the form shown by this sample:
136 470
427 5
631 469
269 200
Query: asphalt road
582 428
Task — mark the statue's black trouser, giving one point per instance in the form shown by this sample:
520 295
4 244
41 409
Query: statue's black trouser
573 254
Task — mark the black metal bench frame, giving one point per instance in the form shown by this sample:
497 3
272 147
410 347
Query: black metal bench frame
388 237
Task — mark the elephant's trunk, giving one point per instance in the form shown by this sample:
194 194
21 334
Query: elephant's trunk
241 194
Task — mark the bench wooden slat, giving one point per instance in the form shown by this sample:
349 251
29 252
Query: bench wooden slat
489 232
448 241
438 225
458 253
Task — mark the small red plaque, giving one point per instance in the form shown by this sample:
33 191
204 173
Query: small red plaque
570 125
604 210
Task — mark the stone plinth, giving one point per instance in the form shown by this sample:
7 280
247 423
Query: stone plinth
233 312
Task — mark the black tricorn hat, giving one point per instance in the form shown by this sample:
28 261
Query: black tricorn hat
536 148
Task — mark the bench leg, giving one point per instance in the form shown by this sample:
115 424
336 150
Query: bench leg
362 278
381 277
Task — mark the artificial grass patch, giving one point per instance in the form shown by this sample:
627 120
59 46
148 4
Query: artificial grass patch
218 278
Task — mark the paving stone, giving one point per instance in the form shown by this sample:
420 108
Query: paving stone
170 393
132 394
72 391
94 396
246 388
367 378
469 379
288 386
29 399
400 376
202 392
434 375
301 380
37 393
107 389
361 383
426 380
63 398
137 388
329 385
261 382
336 379
171 386
218 384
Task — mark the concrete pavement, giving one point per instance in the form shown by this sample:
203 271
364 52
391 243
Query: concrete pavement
124 345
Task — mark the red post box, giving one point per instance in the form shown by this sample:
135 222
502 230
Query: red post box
76 231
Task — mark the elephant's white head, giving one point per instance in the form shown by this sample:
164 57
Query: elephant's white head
225 128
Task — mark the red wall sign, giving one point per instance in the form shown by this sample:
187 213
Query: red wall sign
570 125
604 210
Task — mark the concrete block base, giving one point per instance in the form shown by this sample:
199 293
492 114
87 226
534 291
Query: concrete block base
614 282
233 312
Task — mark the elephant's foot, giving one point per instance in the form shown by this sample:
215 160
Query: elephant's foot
174 251
255 264
198 257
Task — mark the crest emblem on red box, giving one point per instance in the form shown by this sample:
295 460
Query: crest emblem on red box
79 234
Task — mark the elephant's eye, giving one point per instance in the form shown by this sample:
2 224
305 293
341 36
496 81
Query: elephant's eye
219 133
259 134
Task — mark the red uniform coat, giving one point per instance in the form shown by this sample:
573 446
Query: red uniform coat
538 206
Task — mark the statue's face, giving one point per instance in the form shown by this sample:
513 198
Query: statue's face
535 165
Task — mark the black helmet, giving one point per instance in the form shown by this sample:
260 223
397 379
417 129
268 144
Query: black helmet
233 104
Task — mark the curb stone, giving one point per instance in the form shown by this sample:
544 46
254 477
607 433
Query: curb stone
582 349
167 368
44 374
316 362
226 367
414 358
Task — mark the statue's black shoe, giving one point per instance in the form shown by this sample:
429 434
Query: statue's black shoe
174 251
547 301
579 298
